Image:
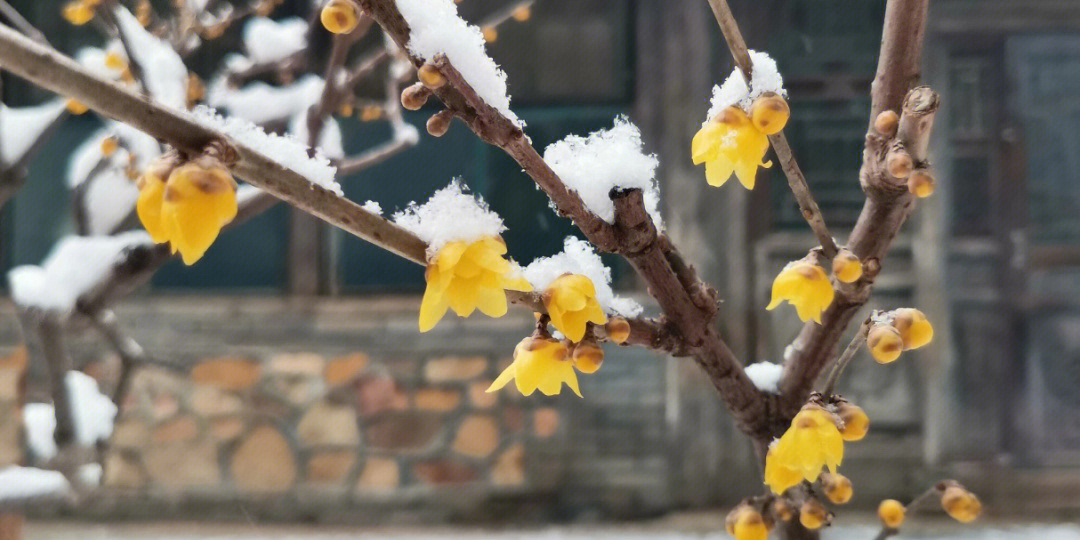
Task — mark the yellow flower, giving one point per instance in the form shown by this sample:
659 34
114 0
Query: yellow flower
588 357
837 487
885 343
770 113
891 513
571 302
811 442
340 16
190 208
856 423
960 504
805 286
746 523
539 363
78 12
729 143
466 276
914 329
812 514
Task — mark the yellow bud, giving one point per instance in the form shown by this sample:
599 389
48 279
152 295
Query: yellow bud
115 61
770 113
812 515
891 513
78 12
522 14
415 96
847 267
144 13
837 487
370 112
618 330
195 89
109 146
430 76
588 356
490 34
899 163
783 510
886 123
885 343
340 16
921 184
856 423
76 107
346 109
439 122
914 329
960 504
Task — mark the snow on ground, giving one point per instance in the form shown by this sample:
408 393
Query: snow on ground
436 28
605 160
163 71
267 40
75 265
450 215
765 78
579 257
21 483
92 412
20 127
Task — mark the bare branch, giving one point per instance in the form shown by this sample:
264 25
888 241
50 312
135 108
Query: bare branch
845 358
16 19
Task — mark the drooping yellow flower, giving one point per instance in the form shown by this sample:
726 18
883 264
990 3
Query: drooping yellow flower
885 343
891 513
745 523
467 276
729 143
856 422
915 330
588 357
805 286
340 16
837 487
78 12
961 504
148 206
539 364
812 442
571 302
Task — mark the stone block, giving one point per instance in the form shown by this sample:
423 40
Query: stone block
226 429
442 471
296 365
227 373
330 467
211 401
325 424
379 475
477 437
480 397
130 433
454 368
180 429
345 369
403 431
122 473
264 462
545 422
378 393
436 399
509 469
181 466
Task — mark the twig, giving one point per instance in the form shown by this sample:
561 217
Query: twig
18 21
845 358
796 180
44 338
926 496
109 17
505 12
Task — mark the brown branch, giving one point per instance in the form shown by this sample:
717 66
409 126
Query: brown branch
887 205
845 358
44 338
371 157
505 12
16 19
107 15
796 180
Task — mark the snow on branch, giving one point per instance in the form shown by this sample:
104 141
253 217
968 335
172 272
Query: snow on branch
263 103
606 160
21 484
734 91
579 257
765 376
436 28
21 127
163 71
267 41
450 215
92 413
76 265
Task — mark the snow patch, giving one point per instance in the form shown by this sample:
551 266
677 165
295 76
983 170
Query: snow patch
20 127
734 91
267 41
372 206
436 28
605 160
329 142
22 483
765 376
450 215
163 71
92 413
579 257
262 103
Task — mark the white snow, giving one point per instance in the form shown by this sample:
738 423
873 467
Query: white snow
765 376
765 78
267 40
282 149
436 28
605 160
372 206
245 193
579 257
75 265
90 474
110 194
163 72
262 103
92 413
329 142
20 127
21 483
450 215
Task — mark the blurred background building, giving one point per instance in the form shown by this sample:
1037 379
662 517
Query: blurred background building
312 395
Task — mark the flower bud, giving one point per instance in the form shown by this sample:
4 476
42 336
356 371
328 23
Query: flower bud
770 113
439 122
847 267
415 96
812 514
891 513
960 504
746 523
588 356
196 91
899 163
886 123
618 330
921 184
76 107
522 14
340 16
837 487
115 61
490 34
109 145
885 343
915 330
370 112
430 76
144 13
856 423
78 12
783 509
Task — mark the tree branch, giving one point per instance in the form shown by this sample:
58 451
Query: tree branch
16 19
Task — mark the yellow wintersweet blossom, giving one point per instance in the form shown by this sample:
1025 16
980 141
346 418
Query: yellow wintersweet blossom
891 513
805 286
79 12
340 16
571 302
745 523
915 330
190 208
811 442
729 143
468 276
539 363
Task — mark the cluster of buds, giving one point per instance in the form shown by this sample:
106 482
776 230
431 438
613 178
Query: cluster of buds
416 95
896 331
340 16
899 163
